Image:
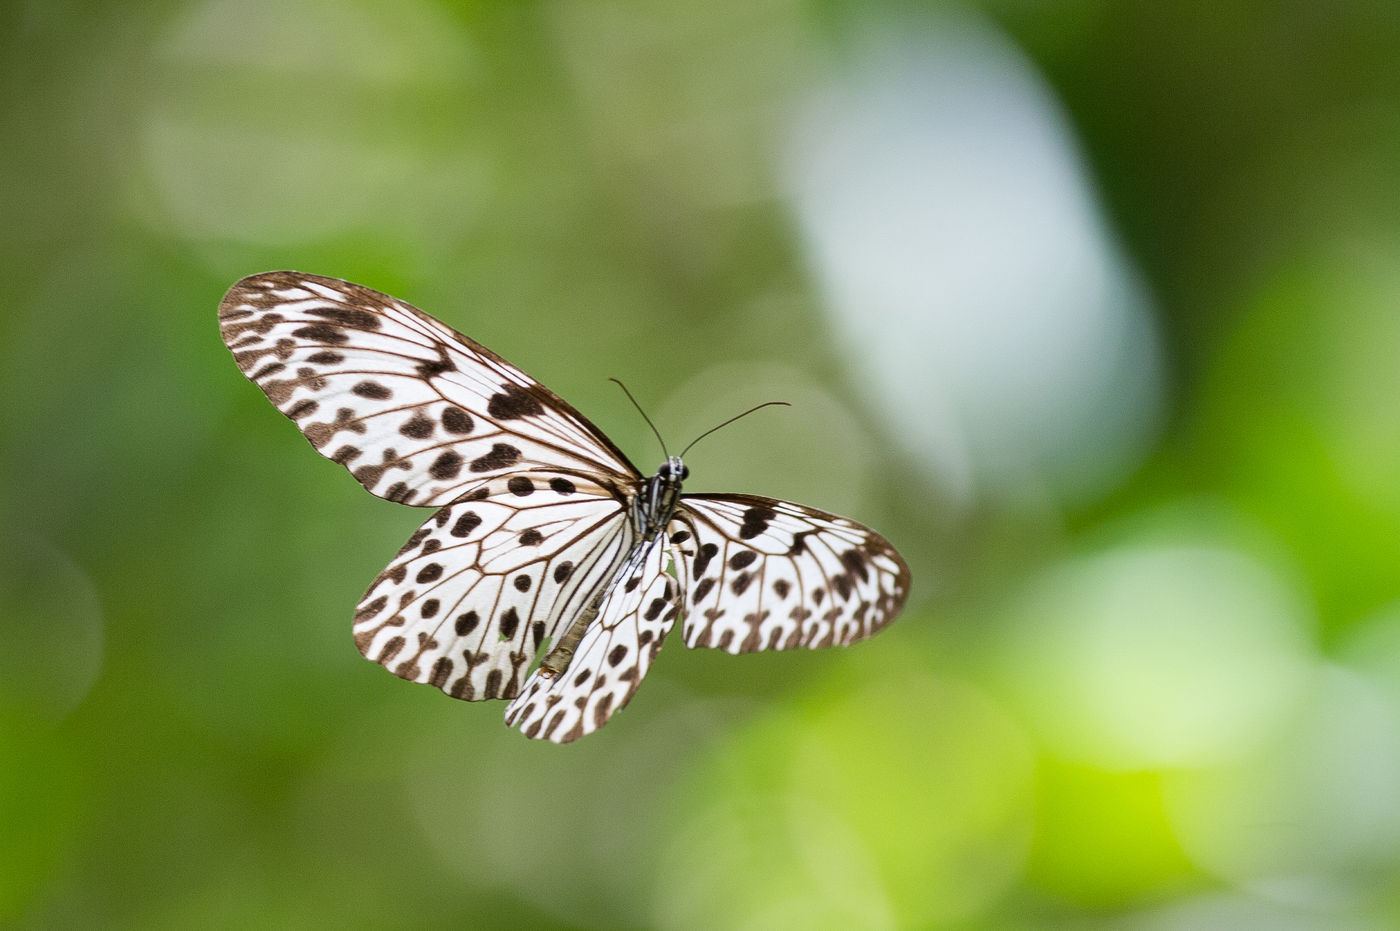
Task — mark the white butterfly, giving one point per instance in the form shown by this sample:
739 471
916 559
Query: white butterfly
547 534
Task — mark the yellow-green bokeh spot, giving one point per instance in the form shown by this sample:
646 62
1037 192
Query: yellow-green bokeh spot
900 804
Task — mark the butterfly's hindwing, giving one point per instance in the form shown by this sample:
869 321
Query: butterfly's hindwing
763 574
611 660
476 591
416 411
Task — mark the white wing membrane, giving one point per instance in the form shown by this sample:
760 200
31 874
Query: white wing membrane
476 591
416 411
611 660
763 574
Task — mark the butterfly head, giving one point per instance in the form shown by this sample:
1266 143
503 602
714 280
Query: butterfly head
673 470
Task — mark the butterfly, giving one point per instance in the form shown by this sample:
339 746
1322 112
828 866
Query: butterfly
547 540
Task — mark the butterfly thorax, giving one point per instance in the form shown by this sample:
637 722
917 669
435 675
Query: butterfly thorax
650 511
653 506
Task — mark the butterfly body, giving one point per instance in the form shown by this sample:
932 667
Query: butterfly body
545 533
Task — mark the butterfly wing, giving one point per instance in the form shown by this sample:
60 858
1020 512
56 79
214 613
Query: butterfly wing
764 574
475 592
416 411
611 660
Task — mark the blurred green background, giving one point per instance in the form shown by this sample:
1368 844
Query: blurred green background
1092 307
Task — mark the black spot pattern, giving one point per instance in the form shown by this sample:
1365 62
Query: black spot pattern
303 409
510 621
742 558
756 520
372 390
321 333
356 317
466 623
418 427
562 571
456 421
513 403
465 524
432 368
520 486
703 558
521 582
429 573
530 537
446 466
501 456
562 486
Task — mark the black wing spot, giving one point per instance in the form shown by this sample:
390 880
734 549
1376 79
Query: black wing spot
854 561
303 409
742 558
562 486
447 466
702 559
430 608
510 621
429 573
432 368
562 571
466 623
513 403
501 456
756 521
348 316
321 333
417 427
372 390
465 524
455 420
520 486
531 537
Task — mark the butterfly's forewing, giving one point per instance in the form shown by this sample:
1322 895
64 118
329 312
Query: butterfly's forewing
764 574
614 655
475 592
416 411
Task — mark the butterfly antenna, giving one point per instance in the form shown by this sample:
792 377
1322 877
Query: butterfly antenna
732 419
644 416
